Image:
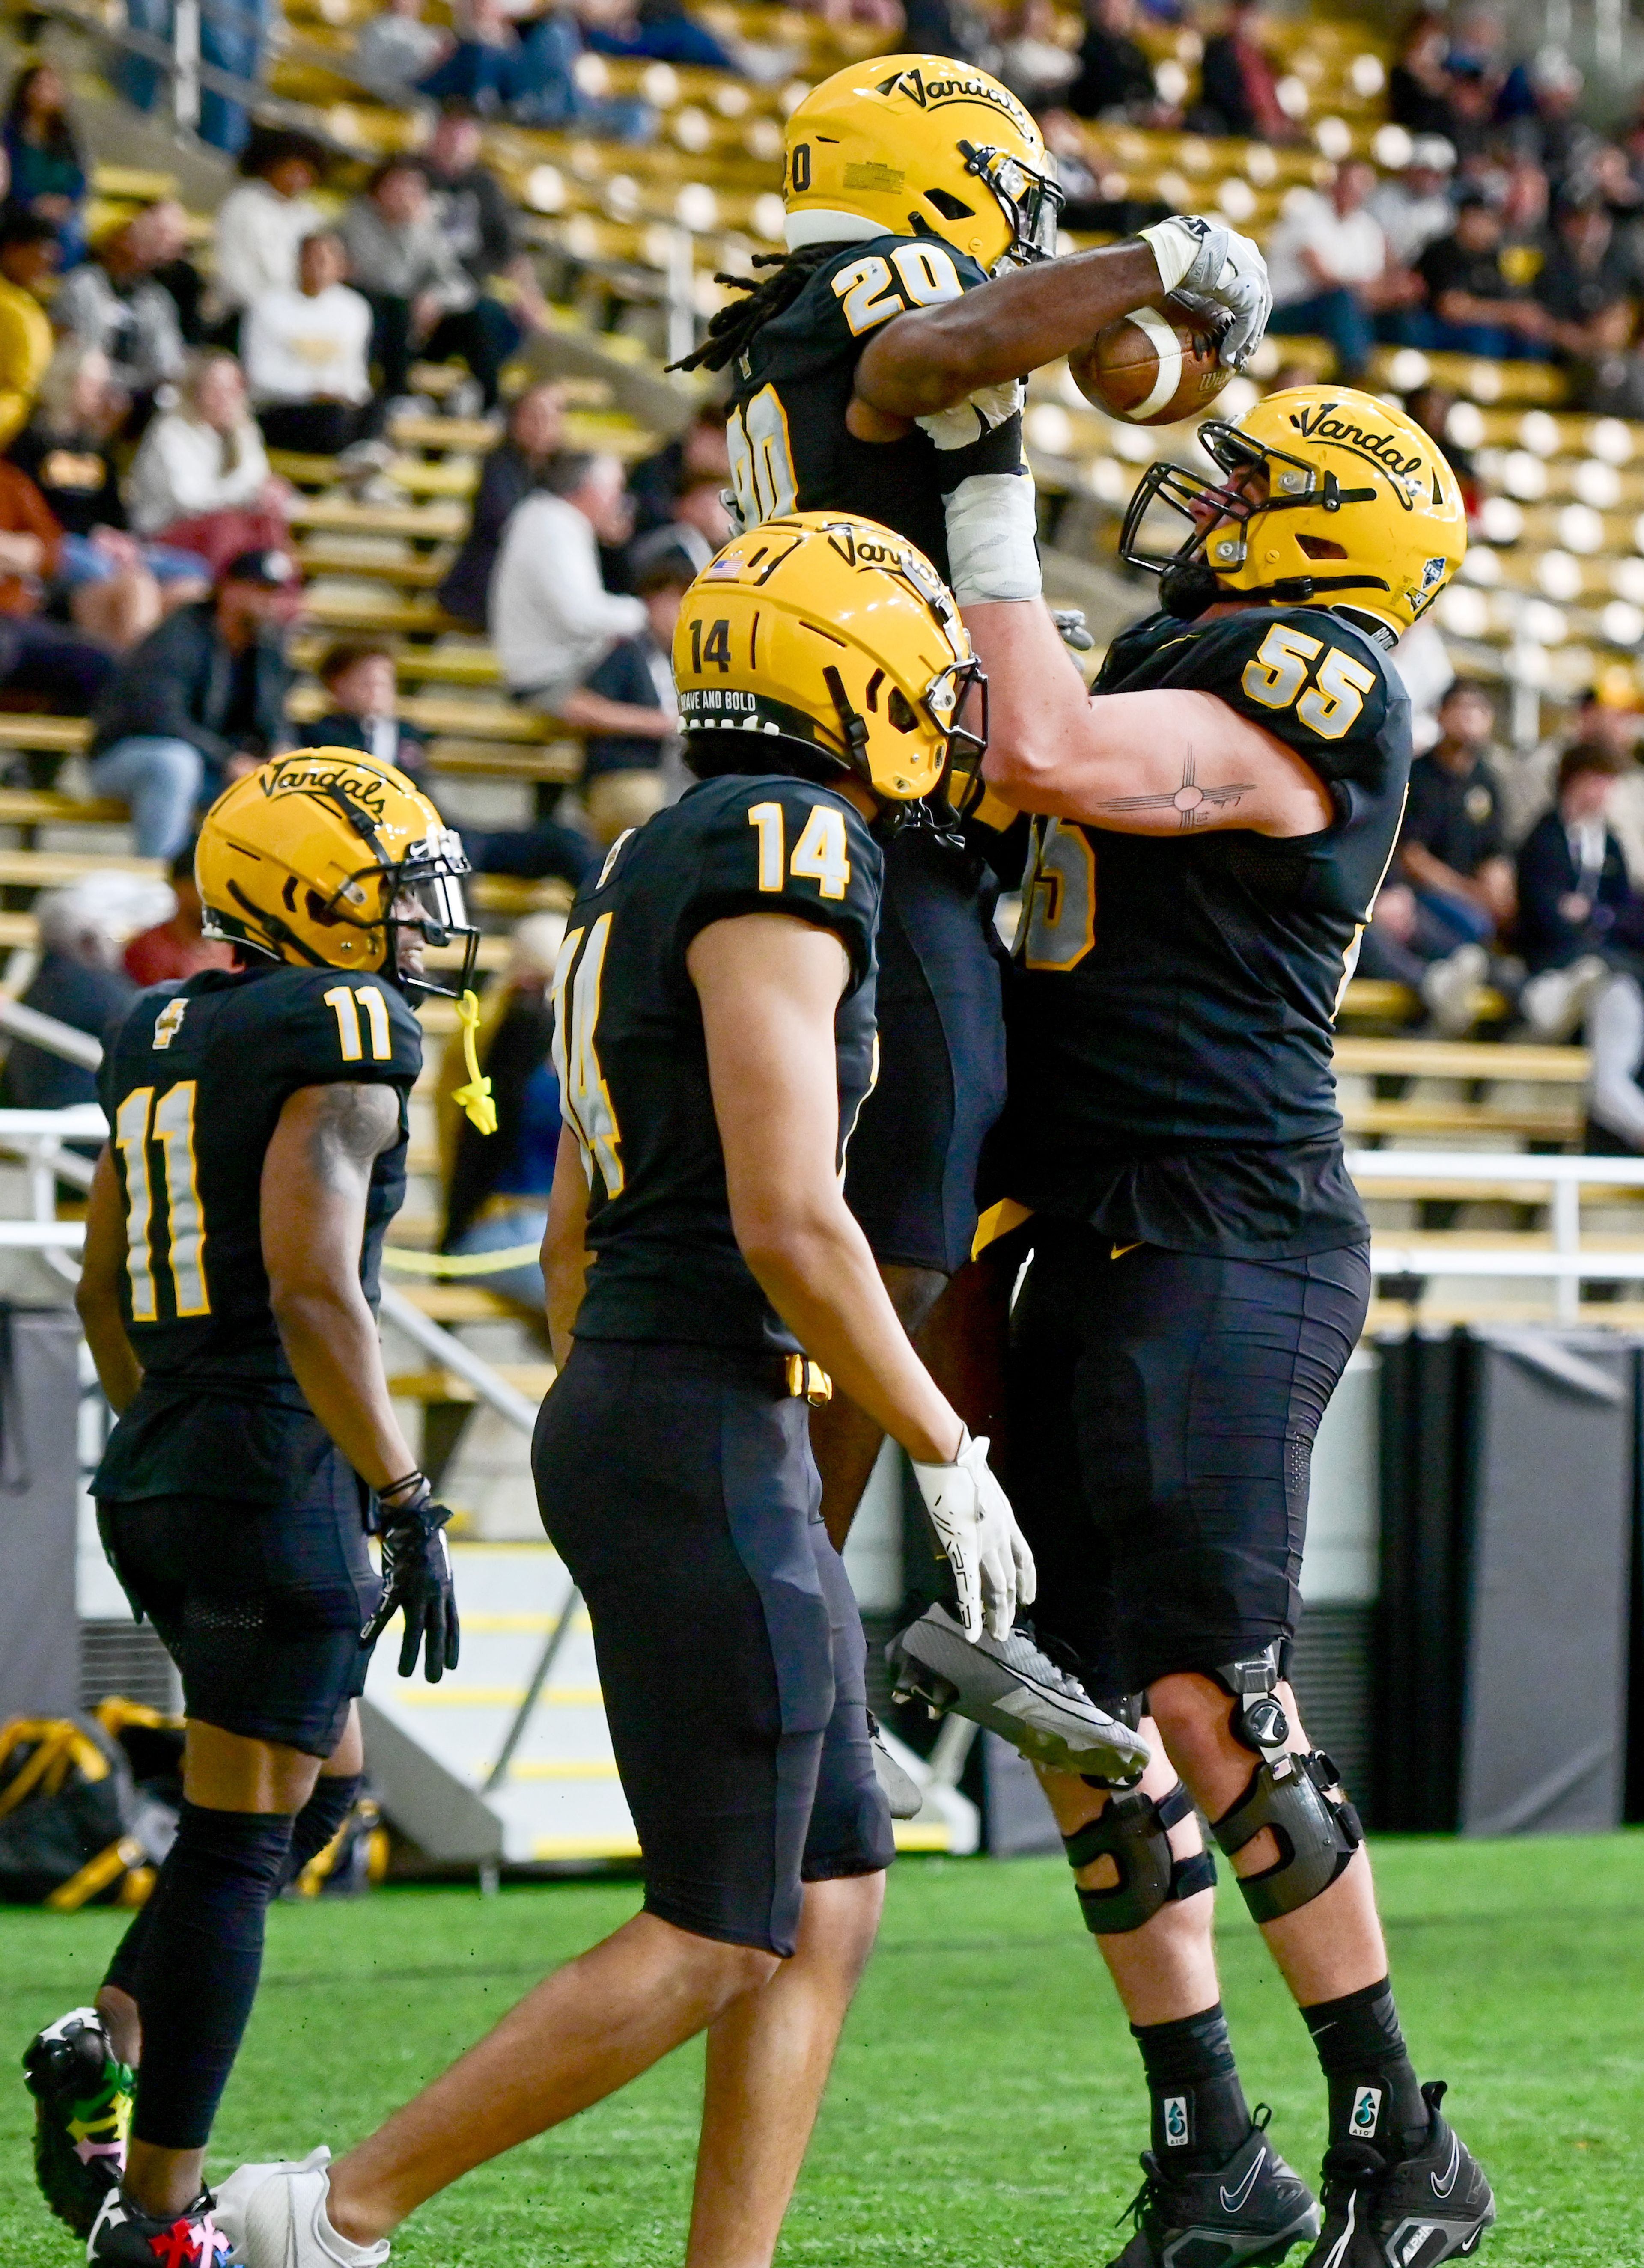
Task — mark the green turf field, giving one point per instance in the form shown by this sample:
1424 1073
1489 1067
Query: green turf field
985 2110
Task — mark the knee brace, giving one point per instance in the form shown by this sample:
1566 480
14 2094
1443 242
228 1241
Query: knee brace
1133 1831
1292 1795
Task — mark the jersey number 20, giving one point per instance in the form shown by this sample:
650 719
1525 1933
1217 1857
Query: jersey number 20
142 1126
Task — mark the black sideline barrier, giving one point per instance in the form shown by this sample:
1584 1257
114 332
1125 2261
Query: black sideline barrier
39 1400
1508 1479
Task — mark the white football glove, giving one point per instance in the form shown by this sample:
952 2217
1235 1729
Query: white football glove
976 417
1216 271
994 1568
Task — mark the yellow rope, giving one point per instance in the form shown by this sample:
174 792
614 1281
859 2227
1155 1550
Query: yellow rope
475 1097
455 1263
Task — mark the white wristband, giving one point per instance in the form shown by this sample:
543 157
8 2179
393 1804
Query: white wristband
992 539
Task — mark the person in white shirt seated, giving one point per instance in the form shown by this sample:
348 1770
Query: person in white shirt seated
260 224
306 353
1413 209
201 480
552 620
1328 263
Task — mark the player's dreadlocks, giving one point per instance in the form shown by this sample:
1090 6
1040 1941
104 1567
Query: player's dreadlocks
732 330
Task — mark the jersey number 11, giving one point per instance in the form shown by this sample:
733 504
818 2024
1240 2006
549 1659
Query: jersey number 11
141 1126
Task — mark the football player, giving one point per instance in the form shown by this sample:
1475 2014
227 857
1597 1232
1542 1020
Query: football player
914 185
1214 825
257 1155
715 1041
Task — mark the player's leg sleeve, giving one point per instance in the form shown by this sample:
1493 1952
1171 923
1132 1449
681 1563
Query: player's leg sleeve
200 1958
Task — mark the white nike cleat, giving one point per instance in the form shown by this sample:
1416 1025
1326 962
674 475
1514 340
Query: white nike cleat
274 2216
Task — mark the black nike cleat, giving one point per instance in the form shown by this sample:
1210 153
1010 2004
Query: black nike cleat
1411 2213
122 2234
904 1798
82 2095
1011 1686
1251 2210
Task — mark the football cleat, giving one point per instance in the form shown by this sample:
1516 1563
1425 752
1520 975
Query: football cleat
1251 2210
82 2095
274 2217
904 1798
128 2238
1411 2213
1015 1690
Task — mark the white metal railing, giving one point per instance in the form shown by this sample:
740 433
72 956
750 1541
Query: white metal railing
1567 1262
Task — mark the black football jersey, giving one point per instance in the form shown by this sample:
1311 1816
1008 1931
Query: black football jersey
1171 1013
193 1085
790 447
632 1058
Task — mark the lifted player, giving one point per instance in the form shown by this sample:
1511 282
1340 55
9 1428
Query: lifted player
1217 822
714 1040
910 181
258 1155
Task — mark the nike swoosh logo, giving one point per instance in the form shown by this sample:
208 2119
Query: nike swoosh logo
1442 2189
1119 1251
1338 2251
1233 2203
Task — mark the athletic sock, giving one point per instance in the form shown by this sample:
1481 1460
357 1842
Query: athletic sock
200 1958
1375 2095
317 1823
1200 2114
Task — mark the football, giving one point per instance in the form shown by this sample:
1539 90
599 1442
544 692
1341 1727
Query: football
1151 367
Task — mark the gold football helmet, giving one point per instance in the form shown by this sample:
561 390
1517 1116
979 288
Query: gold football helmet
1331 498
322 858
924 147
828 630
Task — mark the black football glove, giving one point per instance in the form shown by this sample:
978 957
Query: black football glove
417 1579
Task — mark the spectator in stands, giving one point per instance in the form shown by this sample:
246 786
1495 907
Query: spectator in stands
28 259
660 30
479 225
115 585
1557 135
201 480
200 703
59 666
1419 93
534 78
958 28
699 510
626 777
422 297
83 932
112 303
496 1186
552 620
1430 405
1116 80
359 675
48 176
699 453
1413 209
262 224
1572 889
178 946
1328 262
1033 62
1239 80
1586 288
165 236
306 356
1526 232
1452 849
1471 308
395 49
535 428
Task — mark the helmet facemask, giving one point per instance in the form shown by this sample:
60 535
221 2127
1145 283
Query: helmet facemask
1031 203
1218 544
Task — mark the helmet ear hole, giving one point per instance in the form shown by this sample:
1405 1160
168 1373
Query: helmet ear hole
899 710
950 207
319 912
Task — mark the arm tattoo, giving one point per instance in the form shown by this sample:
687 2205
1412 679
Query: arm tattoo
355 1125
1193 803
